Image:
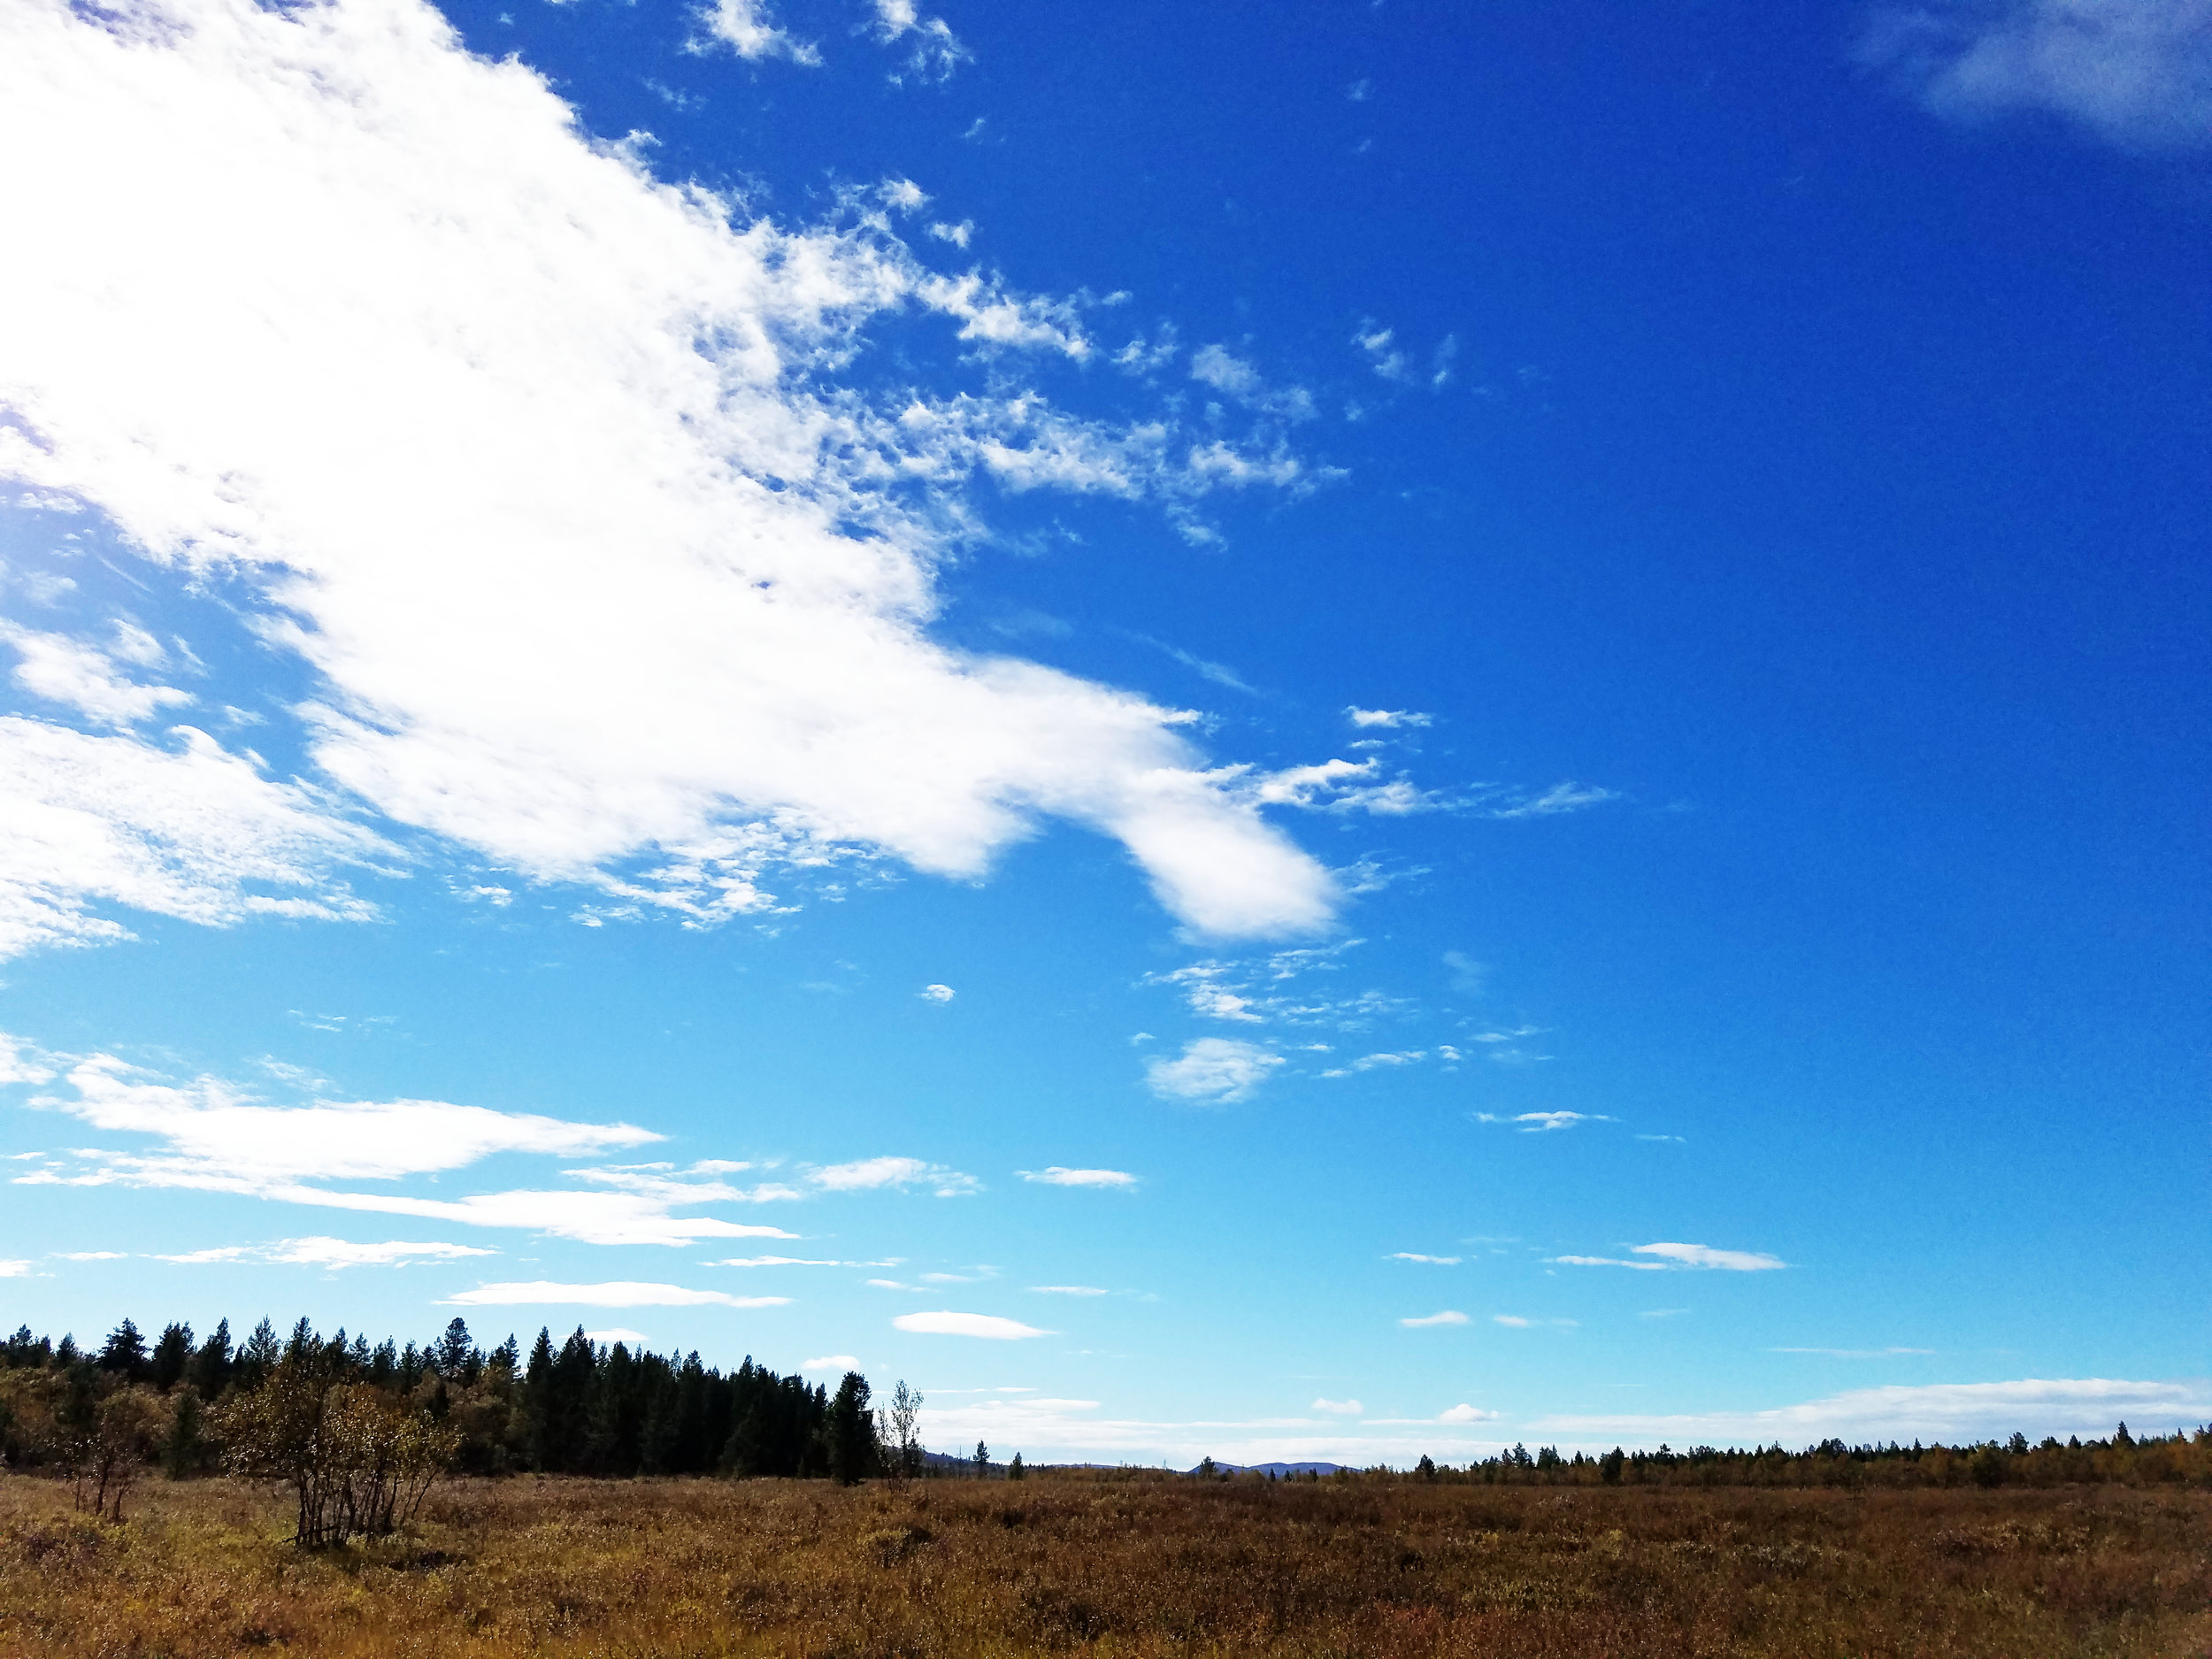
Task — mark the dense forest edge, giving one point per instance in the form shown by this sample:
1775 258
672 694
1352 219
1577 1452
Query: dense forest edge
359 1432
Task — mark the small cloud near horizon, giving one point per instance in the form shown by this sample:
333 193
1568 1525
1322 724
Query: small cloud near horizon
946 1323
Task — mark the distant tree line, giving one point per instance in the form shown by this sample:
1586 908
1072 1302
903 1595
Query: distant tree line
357 1428
2122 1458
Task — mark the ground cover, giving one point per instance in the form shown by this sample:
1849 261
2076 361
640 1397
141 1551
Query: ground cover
1123 1565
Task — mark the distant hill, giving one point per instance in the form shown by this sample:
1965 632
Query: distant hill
1280 1470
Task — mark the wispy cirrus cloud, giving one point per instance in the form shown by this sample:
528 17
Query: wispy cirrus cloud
212 1135
782 1261
1285 987
2136 73
180 828
539 1293
932 50
1691 1256
1415 1255
387 249
331 1253
1449 1315
865 1175
1546 1123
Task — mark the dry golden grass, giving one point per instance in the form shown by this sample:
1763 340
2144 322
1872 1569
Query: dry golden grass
1121 1566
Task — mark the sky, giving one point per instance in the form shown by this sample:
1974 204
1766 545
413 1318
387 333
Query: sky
1342 730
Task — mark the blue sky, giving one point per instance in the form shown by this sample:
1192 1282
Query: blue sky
1334 730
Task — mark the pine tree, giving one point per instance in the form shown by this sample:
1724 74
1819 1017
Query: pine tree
165 1369
453 1349
185 1452
211 1368
851 1433
126 1351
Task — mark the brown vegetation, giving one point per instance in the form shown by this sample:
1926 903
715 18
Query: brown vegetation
1125 1564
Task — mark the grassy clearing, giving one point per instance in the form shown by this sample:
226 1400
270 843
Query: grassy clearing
1123 1565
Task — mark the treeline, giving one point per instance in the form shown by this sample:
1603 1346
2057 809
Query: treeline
2123 1458
575 1407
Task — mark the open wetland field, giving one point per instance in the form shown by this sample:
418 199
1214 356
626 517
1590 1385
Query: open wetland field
1124 1564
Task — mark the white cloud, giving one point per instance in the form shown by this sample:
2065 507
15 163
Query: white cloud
684 579
2137 74
871 1174
983 1324
332 1253
840 1363
218 1138
1468 976
1270 988
744 26
1372 1062
1386 718
589 1218
1057 1175
937 994
1217 1070
81 677
1214 367
192 832
1540 1122
1514 1322
1705 1255
1696 1256
1609 1260
1067 1290
14 1269
614 1293
1465 1414
214 1133
776 1261
1415 1255
615 1333
1384 355
934 52
1345 786
1340 1407
92 1255
1561 797
1947 1411
24 1063
1450 1316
